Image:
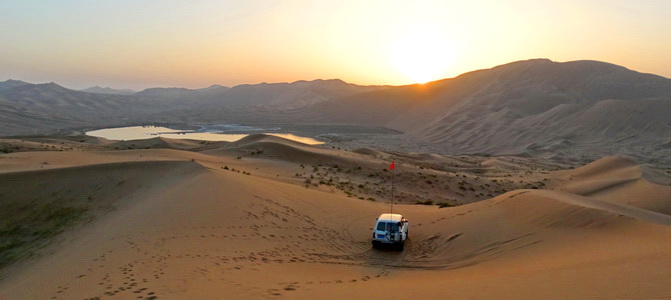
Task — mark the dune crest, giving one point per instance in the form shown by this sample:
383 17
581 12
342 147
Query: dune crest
213 219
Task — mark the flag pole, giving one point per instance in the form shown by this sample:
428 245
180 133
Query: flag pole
391 210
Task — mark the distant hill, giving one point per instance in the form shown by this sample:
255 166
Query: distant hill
10 84
43 108
527 107
214 87
295 93
108 91
168 93
536 107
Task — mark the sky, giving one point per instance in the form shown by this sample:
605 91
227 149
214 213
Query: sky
139 44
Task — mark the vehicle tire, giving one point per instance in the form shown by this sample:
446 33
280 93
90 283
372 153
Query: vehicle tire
376 245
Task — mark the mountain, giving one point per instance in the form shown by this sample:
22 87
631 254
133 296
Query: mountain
167 93
296 93
584 109
9 84
526 107
214 87
43 108
108 91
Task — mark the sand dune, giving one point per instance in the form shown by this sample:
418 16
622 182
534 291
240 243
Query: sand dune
165 223
619 180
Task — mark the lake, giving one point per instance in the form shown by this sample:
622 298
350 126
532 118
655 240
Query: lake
206 133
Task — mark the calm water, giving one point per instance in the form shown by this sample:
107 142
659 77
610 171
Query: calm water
205 134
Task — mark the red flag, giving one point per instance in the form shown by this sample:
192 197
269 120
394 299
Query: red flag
391 167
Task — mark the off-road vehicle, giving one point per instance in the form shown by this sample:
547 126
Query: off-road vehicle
390 229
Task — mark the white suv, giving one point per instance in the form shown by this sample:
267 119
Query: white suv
390 229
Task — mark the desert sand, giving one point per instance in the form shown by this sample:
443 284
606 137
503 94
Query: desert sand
270 218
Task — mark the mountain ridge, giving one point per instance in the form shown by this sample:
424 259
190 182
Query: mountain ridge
537 107
107 90
534 106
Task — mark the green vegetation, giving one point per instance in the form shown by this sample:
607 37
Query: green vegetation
445 204
23 232
427 202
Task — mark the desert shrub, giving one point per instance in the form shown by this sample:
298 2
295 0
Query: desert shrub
427 202
445 204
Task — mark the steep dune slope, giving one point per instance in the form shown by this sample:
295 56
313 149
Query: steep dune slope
199 231
37 205
621 181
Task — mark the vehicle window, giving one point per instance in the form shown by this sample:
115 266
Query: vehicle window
380 226
392 227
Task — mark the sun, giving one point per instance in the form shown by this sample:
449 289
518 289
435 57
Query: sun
422 54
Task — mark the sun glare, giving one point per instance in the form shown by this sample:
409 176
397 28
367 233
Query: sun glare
422 55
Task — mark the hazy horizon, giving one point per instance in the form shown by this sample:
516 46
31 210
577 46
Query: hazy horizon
136 45
267 82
